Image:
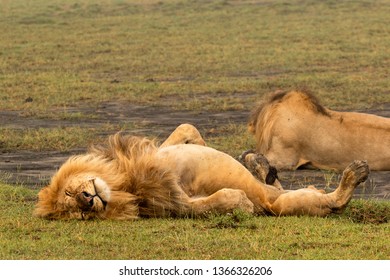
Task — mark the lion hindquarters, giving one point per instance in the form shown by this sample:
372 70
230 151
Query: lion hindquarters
222 201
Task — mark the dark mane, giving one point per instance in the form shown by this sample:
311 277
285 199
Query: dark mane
278 97
315 102
267 99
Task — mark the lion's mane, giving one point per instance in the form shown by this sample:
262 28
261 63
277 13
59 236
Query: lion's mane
263 117
293 130
139 186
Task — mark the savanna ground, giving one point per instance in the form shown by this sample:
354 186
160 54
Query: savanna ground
72 72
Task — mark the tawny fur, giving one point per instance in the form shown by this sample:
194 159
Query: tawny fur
292 130
140 186
130 177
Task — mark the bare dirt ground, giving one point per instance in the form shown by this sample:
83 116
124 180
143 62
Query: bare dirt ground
34 169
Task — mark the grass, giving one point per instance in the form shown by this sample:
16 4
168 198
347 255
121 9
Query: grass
235 236
225 139
203 56
65 52
189 55
43 139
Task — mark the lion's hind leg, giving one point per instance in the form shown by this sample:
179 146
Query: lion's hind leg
222 201
312 202
356 173
184 134
312 187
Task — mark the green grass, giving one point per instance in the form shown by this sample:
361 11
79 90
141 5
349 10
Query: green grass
186 55
65 52
191 55
44 139
236 236
232 139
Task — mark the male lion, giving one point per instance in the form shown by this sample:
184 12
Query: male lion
131 177
292 130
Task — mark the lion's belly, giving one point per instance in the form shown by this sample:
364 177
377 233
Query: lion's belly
203 170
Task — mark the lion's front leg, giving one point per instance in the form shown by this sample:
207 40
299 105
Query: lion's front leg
184 134
222 201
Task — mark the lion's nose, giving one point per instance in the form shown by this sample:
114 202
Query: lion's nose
88 198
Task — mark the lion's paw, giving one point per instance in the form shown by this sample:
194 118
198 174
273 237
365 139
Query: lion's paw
259 166
357 172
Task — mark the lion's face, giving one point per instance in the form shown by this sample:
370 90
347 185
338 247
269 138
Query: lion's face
80 197
86 195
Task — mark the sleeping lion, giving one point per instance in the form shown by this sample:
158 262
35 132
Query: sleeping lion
293 130
130 177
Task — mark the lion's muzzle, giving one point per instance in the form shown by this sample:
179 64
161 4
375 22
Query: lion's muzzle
90 202
85 201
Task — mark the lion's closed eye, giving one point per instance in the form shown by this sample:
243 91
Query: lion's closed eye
67 193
